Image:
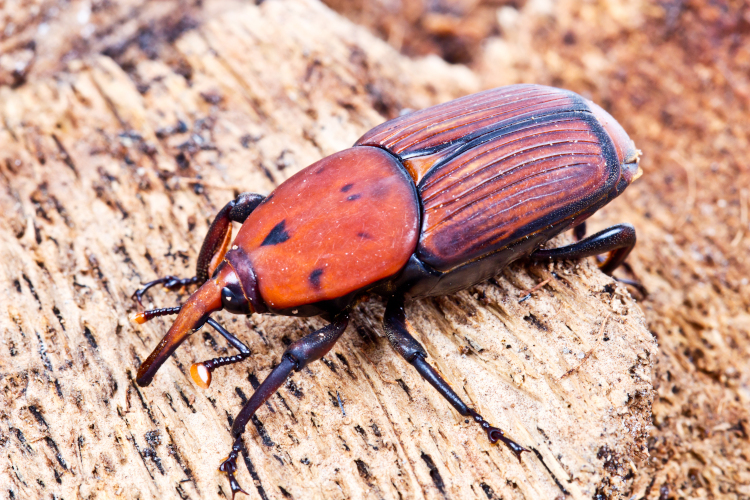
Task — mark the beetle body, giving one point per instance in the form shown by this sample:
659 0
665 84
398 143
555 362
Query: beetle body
426 204
435 201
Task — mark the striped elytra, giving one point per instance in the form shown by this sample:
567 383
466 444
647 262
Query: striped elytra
497 166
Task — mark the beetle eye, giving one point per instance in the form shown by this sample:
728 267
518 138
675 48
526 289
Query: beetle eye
234 301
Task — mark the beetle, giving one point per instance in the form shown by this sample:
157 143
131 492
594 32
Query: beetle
426 204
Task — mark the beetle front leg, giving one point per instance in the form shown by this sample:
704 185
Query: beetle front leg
298 355
617 241
214 246
412 351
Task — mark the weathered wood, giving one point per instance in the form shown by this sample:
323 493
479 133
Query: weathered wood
110 175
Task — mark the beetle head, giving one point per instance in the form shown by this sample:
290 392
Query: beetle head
627 154
229 288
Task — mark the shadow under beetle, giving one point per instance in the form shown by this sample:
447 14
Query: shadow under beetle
426 204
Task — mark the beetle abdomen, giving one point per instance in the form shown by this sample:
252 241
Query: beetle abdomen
500 165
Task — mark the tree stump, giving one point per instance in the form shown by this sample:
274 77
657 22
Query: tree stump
115 155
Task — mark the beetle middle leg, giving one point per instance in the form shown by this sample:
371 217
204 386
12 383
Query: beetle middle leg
412 351
298 355
214 246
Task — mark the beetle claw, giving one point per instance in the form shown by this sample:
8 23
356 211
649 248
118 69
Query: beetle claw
495 434
235 486
229 467
138 296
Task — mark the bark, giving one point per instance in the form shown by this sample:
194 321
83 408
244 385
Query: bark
119 142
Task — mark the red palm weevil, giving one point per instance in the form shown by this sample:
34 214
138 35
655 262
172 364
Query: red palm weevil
426 204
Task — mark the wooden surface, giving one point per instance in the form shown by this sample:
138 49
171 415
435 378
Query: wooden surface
677 76
121 138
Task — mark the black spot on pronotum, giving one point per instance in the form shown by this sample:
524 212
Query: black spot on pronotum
277 235
354 197
347 188
315 278
364 235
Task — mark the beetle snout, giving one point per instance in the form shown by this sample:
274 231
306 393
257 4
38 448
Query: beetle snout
193 314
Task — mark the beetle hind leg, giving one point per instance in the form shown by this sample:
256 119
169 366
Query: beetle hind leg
215 244
412 351
201 372
616 241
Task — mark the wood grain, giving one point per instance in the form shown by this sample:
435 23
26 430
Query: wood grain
118 147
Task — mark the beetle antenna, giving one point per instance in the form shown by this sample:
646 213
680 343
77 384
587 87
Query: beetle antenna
192 315
201 372
145 316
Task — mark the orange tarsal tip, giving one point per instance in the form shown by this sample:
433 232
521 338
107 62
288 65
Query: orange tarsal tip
138 318
201 375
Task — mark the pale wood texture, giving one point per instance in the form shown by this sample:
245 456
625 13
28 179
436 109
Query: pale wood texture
102 189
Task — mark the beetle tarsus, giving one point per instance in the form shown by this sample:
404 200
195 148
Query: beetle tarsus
495 434
169 282
229 467
235 486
